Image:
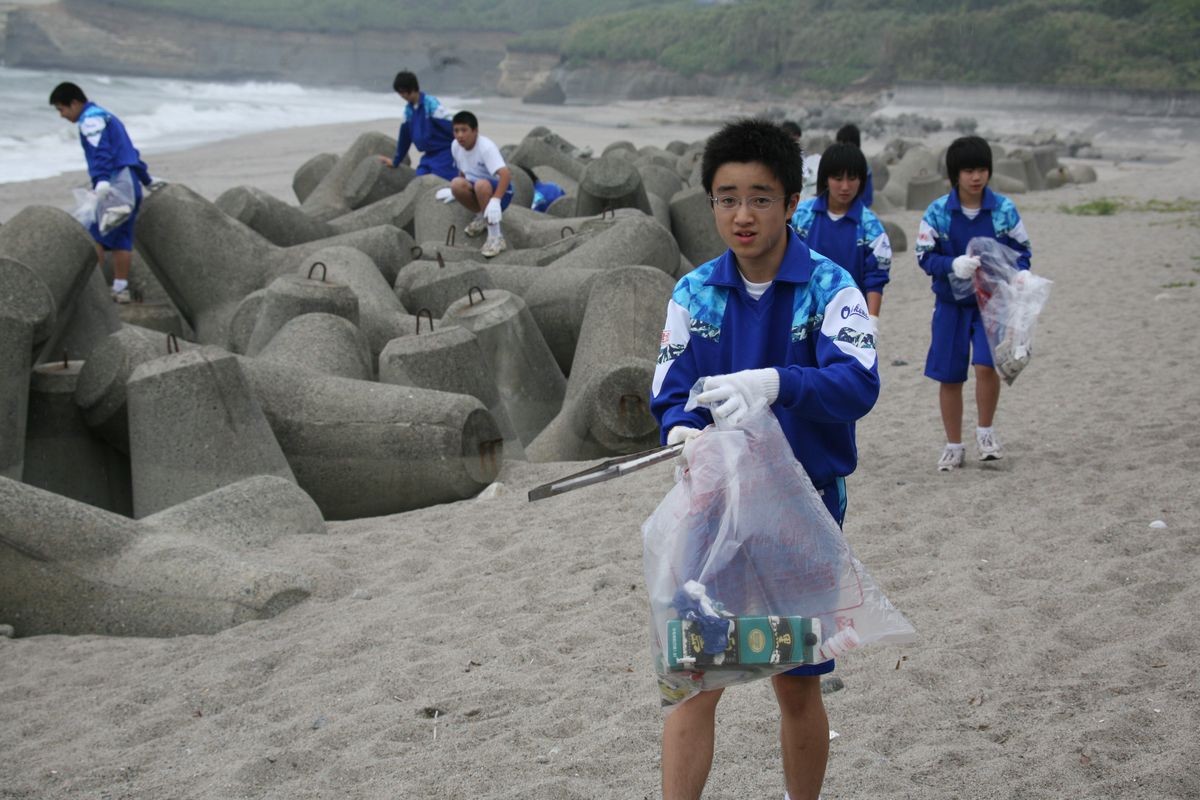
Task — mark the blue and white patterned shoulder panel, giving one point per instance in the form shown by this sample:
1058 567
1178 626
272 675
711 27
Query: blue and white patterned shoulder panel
1007 222
808 310
705 305
802 219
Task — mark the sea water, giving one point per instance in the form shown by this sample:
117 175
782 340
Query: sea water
163 115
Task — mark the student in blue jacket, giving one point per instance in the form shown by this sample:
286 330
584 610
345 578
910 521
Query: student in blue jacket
427 125
769 319
108 150
839 226
970 209
850 134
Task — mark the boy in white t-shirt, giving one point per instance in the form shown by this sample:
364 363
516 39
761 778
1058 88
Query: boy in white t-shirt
484 183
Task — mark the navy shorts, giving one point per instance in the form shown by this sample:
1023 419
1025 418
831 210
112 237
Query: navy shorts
958 339
507 197
834 496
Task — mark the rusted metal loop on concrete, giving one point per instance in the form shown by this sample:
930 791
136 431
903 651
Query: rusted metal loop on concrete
608 210
441 261
630 403
316 264
172 341
424 312
417 252
451 233
66 361
470 301
563 233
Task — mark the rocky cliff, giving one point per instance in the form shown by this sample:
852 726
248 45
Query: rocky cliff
99 38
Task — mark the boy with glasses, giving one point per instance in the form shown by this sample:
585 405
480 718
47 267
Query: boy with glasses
769 319
970 209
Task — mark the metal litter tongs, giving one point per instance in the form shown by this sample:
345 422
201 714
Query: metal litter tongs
613 468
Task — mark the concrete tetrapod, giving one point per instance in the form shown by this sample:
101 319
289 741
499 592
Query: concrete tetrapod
611 182
62 455
359 448
606 410
90 317
693 225
69 568
324 343
276 221
542 147
289 296
194 426
398 210
381 317
530 383
27 307
448 360
309 174
367 449
208 262
434 285
327 199
372 181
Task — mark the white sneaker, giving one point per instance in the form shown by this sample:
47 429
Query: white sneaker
989 447
122 297
476 226
952 458
494 246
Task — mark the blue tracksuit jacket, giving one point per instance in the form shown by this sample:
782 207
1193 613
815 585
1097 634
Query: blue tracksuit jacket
857 242
811 324
429 127
107 147
945 232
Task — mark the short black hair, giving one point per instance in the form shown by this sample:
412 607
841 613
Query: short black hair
849 134
747 141
842 159
968 152
405 81
791 128
66 93
465 118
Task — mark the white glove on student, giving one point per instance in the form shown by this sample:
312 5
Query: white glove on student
102 189
444 195
964 266
492 213
730 396
682 433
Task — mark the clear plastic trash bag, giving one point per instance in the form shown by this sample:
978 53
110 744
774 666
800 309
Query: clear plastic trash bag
110 211
1010 300
744 537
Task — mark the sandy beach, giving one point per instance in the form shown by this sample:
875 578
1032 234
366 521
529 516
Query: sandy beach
495 648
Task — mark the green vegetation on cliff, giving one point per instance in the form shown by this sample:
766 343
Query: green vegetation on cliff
1130 44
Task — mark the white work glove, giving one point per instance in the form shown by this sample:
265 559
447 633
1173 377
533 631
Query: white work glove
102 189
444 195
964 266
492 213
682 434
731 396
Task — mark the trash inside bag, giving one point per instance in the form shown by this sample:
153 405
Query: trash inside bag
1010 300
748 573
110 210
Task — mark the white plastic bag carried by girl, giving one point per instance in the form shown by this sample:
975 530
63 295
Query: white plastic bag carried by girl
743 534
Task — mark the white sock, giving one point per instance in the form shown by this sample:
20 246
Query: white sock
494 231
119 285
980 432
954 445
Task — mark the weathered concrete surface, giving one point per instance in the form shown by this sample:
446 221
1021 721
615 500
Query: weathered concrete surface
195 426
611 182
289 296
530 383
208 262
328 198
62 455
324 343
309 174
372 181
606 409
70 568
276 221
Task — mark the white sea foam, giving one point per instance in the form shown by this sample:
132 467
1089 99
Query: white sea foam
163 115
